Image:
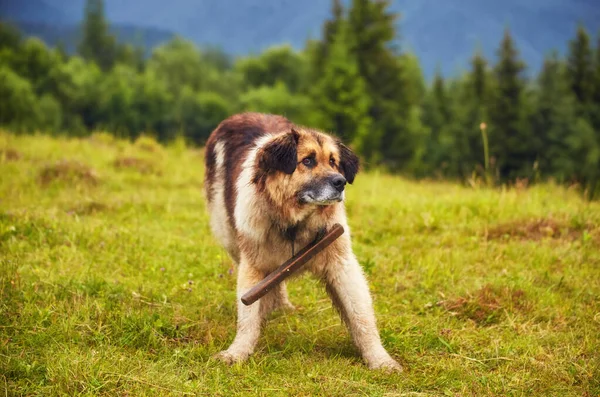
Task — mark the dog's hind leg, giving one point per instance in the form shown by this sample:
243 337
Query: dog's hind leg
281 298
249 318
348 289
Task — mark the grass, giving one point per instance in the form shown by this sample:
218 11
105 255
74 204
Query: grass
111 284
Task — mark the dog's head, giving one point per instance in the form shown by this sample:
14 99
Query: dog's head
308 166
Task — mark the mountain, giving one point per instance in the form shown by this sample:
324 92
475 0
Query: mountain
32 11
442 33
58 21
447 32
68 34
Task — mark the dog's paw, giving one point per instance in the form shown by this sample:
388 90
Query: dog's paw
230 358
284 305
388 365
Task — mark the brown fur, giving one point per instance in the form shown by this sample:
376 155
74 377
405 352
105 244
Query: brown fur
240 131
271 186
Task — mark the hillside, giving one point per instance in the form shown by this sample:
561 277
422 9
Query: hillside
441 33
112 284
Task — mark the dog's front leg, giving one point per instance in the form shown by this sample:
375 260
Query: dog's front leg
249 318
348 289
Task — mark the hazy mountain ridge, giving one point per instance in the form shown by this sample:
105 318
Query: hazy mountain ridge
68 34
443 33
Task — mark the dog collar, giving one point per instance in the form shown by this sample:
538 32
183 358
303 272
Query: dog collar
291 232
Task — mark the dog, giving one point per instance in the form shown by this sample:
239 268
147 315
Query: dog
271 187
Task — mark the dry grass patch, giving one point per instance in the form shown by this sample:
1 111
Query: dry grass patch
537 229
141 165
89 208
9 154
488 304
70 172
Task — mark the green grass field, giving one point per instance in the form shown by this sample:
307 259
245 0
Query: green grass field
112 284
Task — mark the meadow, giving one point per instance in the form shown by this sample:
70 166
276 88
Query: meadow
112 284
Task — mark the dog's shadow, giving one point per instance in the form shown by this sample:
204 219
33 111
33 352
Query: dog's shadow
283 337
279 339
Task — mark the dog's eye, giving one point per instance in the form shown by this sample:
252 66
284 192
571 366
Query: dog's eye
332 162
308 161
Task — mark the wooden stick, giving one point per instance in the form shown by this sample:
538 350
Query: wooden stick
291 265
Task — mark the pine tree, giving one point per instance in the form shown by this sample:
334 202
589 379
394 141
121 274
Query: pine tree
596 91
341 98
473 101
594 160
580 68
436 116
459 150
330 29
554 121
96 43
478 80
439 93
511 141
372 32
583 81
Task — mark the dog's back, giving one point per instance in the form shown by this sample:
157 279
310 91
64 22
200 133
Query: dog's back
226 150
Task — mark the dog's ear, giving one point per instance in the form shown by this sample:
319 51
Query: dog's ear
349 162
281 153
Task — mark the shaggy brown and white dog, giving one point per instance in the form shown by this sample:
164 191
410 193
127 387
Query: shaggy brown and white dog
272 186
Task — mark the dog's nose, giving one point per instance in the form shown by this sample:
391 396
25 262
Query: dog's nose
338 182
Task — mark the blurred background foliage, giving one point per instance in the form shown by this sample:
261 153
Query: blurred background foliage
353 81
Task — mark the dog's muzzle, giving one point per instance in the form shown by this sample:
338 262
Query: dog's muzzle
326 191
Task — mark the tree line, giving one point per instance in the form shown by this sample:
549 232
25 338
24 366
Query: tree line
354 81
